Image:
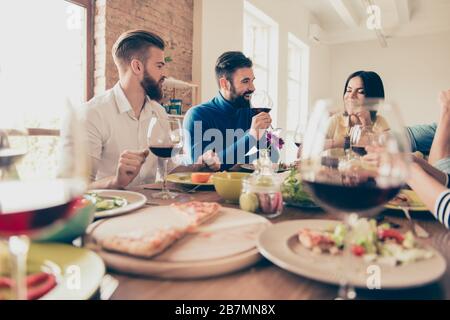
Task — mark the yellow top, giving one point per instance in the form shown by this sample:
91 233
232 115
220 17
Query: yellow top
338 127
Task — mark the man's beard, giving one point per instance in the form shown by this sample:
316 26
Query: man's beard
152 88
237 99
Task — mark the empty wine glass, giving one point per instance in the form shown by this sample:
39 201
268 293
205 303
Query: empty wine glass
165 140
354 186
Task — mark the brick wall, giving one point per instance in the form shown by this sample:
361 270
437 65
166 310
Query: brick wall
171 19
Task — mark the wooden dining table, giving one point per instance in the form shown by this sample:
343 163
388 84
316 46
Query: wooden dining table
266 281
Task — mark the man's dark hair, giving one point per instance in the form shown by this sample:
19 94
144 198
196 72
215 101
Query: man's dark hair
229 62
133 44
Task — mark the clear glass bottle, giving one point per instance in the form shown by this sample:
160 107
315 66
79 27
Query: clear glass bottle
261 191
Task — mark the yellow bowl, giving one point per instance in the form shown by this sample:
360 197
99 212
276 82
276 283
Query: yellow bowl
229 185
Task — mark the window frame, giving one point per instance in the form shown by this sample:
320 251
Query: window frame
303 78
89 6
259 17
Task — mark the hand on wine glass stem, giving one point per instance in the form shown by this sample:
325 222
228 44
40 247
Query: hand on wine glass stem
130 163
260 123
361 117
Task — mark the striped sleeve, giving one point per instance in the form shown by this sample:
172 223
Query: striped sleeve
442 208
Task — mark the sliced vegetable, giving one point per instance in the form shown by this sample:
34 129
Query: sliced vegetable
106 203
358 250
200 177
384 234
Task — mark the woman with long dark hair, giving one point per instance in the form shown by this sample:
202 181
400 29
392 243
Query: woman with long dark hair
361 88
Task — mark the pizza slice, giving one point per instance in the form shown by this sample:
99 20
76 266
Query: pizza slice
198 212
148 242
143 243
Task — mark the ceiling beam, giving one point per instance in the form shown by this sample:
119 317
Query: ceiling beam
346 12
403 9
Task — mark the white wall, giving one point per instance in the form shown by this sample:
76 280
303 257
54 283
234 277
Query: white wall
413 69
218 28
221 29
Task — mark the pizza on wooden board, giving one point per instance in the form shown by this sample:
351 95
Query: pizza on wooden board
149 243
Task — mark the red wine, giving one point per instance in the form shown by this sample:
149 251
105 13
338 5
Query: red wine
360 197
259 110
359 150
10 156
29 207
346 142
164 151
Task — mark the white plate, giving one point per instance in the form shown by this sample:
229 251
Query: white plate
135 201
223 245
78 271
280 245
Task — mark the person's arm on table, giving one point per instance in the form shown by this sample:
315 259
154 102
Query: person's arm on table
437 174
435 195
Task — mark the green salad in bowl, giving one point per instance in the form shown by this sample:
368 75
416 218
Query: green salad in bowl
294 193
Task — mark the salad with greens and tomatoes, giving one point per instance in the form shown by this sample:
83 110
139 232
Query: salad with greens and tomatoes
381 243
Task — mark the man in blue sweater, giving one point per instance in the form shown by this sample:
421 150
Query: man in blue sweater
224 128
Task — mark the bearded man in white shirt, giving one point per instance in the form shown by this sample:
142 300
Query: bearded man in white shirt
117 121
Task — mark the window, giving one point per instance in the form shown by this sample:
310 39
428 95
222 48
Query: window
298 74
261 45
297 93
46 57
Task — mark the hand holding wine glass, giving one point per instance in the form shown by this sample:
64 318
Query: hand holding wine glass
260 123
261 104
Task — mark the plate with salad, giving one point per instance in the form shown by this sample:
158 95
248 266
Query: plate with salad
315 249
109 203
294 193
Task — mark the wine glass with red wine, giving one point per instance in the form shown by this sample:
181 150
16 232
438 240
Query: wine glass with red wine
360 138
299 135
35 202
354 186
260 102
165 140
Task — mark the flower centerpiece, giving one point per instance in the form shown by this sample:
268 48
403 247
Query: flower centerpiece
273 139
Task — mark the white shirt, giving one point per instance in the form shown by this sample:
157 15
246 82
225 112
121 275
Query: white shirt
112 128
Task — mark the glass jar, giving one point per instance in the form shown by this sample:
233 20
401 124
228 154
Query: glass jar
261 191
